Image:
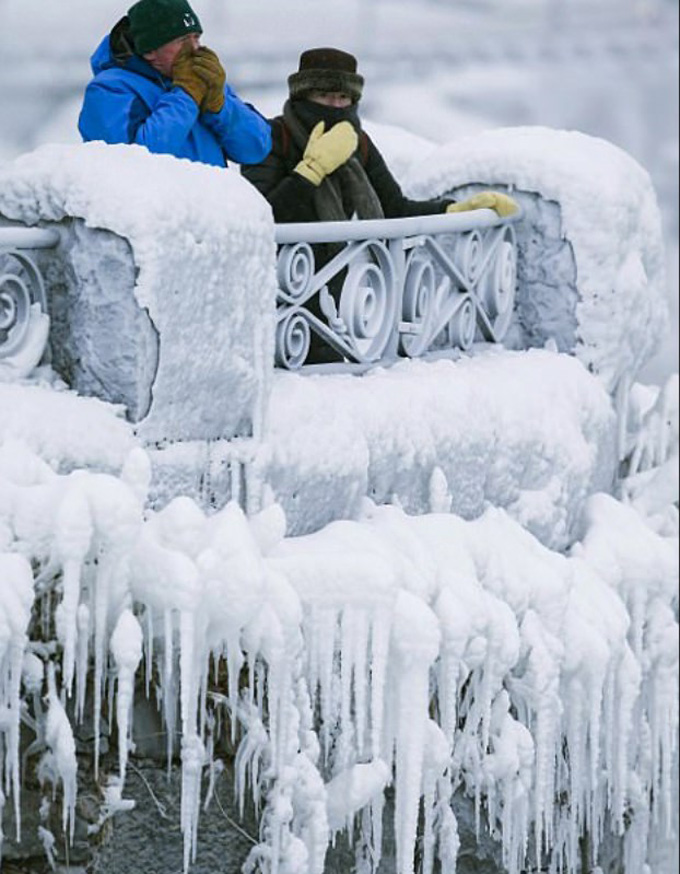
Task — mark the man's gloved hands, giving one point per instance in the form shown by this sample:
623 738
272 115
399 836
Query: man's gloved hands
325 152
207 65
501 203
185 74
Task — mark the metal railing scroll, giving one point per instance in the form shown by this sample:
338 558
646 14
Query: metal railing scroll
392 287
24 321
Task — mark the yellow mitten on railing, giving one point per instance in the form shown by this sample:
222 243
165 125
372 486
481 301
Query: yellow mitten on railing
501 203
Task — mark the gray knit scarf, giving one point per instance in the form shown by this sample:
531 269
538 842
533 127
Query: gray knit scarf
349 180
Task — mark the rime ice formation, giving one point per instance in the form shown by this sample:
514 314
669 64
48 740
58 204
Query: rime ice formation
514 641
609 214
427 652
335 438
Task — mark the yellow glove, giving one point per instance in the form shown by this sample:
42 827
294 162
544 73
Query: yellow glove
325 152
503 204
186 76
207 65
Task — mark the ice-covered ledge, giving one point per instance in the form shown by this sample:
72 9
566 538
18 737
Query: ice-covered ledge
440 436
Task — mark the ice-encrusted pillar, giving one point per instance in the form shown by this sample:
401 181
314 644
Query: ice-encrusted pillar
162 289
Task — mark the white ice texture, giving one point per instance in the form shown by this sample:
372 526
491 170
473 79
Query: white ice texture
429 651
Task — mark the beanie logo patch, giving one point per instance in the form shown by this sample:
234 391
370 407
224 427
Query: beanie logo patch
189 20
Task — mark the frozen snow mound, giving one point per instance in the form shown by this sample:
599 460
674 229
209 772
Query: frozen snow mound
162 287
605 300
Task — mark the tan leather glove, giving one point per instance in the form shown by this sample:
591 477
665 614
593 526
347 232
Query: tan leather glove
186 76
207 65
501 203
325 152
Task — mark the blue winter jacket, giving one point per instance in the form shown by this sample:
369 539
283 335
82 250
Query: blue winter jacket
128 101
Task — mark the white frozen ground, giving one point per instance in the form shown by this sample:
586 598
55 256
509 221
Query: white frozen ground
580 643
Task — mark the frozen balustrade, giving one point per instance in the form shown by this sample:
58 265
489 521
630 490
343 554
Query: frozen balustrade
405 286
24 323
168 296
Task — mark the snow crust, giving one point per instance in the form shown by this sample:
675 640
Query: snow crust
610 216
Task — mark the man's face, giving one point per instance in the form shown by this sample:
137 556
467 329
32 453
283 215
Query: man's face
338 99
163 58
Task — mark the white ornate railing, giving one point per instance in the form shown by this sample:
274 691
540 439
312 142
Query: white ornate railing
400 287
23 302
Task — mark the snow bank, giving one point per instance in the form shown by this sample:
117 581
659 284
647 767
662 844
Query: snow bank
609 215
202 244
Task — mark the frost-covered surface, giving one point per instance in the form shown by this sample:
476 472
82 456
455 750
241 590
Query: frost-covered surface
102 342
65 430
428 652
609 215
443 436
203 246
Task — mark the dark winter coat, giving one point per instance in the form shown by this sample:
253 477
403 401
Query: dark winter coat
294 199
128 101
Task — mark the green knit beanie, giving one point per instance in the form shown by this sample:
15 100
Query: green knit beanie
153 23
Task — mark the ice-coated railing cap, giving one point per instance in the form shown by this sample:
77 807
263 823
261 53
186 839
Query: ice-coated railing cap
27 238
389 229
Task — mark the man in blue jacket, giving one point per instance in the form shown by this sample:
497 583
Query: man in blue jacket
155 85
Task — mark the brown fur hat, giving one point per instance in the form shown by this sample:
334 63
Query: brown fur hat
326 69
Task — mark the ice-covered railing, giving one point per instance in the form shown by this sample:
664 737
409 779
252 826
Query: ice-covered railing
24 323
401 287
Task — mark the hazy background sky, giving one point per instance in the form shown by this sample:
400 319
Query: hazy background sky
438 68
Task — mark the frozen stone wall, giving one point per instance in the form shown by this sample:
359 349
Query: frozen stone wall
102 342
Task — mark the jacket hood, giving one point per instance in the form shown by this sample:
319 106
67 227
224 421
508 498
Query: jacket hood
116 50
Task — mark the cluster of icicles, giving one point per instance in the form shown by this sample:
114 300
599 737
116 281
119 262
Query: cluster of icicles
428 653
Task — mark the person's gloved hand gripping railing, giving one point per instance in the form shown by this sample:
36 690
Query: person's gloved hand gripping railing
503 204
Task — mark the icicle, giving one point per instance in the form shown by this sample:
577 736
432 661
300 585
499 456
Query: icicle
73 537
15 614
628 681
416 636
380 641
345 740
126 648
148 649
101 597
324 635
360 676
82 658
235 662
59 738
193 759
440 496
